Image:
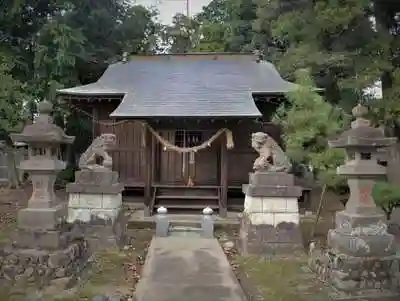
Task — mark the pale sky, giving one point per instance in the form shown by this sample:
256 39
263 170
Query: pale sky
168 8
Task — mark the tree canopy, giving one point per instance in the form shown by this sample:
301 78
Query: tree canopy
346 45
48 44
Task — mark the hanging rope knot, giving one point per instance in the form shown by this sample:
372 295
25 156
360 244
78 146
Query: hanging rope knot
229 139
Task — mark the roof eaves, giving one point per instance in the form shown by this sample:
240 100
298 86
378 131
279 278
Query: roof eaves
89 90
133 116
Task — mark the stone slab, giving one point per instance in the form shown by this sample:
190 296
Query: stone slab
185 268
272 191
271 179
96 177
94 188
49 240
41 219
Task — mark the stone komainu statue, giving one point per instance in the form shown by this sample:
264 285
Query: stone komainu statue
96 155
272 158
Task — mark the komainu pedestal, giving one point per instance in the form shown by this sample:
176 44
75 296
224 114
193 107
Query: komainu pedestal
270 221
95 198
361 259
44 245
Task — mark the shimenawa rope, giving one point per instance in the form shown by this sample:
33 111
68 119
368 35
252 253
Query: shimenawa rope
165 143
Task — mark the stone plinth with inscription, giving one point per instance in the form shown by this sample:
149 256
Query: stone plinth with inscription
361 257
44 246
95 198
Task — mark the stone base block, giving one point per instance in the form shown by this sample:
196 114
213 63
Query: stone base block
271 211
357 277
269 239
48 240
362 244
345 219
99 177
361 236
272 191
41 218
96 181
103 233
21 266
84 207
271 179
94 188
273 219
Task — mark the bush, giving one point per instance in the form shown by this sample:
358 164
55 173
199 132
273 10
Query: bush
386 196
66 176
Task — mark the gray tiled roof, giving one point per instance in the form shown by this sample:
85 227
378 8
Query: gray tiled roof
186 87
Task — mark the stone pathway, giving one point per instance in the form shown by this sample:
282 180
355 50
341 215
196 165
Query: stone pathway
187 269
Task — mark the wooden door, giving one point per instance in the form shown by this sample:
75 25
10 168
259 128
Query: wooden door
177 168
171 167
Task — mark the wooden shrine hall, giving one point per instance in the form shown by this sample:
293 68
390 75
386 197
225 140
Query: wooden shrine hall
183 124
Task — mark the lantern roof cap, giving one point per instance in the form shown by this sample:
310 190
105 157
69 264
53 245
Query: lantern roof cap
362 134
43 129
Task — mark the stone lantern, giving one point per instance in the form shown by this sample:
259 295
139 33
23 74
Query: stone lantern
44 162
361 255
44 246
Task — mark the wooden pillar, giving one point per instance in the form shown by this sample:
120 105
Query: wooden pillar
223 198
148 159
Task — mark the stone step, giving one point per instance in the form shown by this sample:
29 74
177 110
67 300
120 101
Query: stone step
185 231
185 223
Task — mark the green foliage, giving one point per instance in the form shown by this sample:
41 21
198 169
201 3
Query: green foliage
334 39
386 196
80 127
50 44
386 111
66 176
308 121
12 96
226 25
182 35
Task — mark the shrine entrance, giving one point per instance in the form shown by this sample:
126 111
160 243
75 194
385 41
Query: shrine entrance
192 168
184 139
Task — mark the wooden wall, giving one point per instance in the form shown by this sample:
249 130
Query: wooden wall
128 157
